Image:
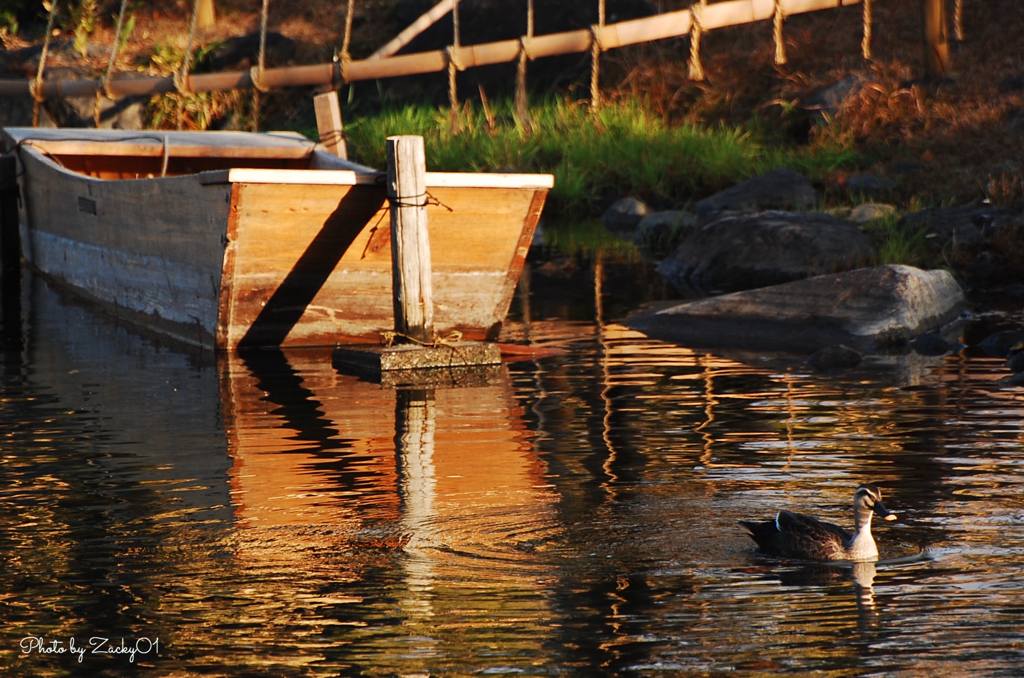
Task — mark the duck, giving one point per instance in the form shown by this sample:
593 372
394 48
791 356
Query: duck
797 536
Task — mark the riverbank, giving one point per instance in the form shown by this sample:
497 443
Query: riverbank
659 136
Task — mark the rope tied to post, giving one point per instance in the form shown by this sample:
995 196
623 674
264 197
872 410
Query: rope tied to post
696 31
428 200
388 338
180 77
866 42
780 43
595 66
104 85
346 42
452 54
257 70
595 57
35 87
521 104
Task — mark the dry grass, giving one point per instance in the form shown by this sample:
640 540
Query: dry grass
962 139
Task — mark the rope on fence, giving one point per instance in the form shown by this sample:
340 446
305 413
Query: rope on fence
346 57
696 67
35 87
780 43
453 68
256 71
181 85
104 88
958 24
865 44
521 113
595 57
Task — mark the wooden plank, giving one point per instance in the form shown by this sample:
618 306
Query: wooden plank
328 123
279 225
489 180
290 144
350 178
310 177
515 269
410 242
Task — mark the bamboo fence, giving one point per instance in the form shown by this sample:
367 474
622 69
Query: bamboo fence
703 16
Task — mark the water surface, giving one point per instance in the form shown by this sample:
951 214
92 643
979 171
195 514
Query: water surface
268 514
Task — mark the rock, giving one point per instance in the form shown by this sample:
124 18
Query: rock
982 326
780 189
243 52
1001 343
1015 361
824 104
934 344
870 211
124 113
1016 379
624 215
659 233
837 357
868 186
863 309
969 225
743 251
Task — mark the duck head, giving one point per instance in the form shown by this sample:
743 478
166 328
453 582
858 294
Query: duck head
867 502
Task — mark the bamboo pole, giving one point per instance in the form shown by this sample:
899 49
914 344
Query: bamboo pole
428 19
410 243
658 27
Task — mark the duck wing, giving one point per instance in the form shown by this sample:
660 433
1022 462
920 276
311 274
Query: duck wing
795 535
788 521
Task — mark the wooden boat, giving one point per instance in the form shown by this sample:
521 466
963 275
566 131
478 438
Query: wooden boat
228 239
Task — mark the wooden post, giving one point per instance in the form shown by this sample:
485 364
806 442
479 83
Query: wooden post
410 243
207 15
328 123
935 38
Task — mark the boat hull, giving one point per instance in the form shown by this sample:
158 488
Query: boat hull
258 256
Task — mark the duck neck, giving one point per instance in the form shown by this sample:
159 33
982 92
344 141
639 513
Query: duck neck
862 519
862 546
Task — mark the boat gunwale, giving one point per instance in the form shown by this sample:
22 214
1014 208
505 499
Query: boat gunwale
186 145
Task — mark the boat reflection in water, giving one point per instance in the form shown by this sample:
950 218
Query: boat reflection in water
443 479
266 513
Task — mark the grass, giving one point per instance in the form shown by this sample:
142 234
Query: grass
625 149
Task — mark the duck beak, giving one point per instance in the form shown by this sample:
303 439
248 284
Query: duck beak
883 512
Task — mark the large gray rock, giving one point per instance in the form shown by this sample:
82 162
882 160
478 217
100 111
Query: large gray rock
969 225
624 215
780 189
744 251
659 233
864 309
825 104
